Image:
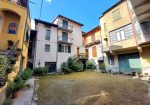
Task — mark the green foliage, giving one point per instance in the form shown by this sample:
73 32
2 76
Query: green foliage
41 71
70 63
102 67
3 67
18 83
7 102
77 67
64 67
90 65
26 74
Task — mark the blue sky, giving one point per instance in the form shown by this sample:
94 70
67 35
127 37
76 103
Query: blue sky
86 12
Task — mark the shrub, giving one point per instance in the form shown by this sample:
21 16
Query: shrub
7 102
3 67
90 65
102 67
64 67
77 67
26 74
70 63
9 90
18 83
41 71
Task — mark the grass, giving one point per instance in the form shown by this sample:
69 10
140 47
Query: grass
91 88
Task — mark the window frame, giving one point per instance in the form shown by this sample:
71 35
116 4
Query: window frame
114 15
46 45
9 30
46 33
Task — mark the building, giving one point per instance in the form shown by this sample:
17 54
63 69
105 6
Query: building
93 46
140 12
56 42
119 42
14 32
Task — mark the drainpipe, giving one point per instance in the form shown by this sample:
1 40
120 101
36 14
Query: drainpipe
134 33
57 50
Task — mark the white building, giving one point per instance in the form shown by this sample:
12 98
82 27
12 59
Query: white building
56 42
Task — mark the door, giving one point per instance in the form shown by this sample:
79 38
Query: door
78 49
51 66
129 63
64 37
87 53
65 24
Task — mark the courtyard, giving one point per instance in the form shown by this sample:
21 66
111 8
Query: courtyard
91 88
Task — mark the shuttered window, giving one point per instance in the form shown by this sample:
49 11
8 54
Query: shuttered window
116 15
94 51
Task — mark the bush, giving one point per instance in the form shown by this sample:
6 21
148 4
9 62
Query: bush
102 67
7 102
26 74
18 83
64 67
41 71
77 67
9 90
70 63
90 65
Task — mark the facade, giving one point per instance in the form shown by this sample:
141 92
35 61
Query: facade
141 22
93 46
56 42
14 33
120 44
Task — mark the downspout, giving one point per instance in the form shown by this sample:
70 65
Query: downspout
134 33
57 51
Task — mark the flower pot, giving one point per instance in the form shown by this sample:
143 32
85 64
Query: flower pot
16 94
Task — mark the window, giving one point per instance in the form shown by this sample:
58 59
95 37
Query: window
64 37
60 48
116 15
105 28
94 51
123 33
65 24
47 48
111 60
47 34
12 29
64 48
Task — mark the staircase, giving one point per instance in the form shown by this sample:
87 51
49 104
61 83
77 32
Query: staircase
80 57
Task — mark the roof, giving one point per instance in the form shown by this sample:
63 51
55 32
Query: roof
98 28
46 23
118 3
61 16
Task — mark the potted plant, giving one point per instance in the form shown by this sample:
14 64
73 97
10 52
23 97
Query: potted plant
9 69
10 44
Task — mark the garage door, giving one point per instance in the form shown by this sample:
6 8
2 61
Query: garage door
129 63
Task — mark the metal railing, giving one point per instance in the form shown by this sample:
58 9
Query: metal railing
13 49
24 3
69 40
67 27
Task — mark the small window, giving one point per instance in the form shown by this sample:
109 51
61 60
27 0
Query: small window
111 60
47 34
69 49
60 48
116 15
105 28
65 24
12 29
47 48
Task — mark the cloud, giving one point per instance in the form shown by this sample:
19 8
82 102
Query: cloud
49 1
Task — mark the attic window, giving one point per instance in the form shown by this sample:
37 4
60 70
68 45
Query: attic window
12 29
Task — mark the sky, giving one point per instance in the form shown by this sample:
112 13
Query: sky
86 12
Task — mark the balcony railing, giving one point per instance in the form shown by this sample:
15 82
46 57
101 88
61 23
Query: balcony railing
67 28
24 3
65 41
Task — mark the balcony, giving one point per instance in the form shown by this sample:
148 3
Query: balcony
66 28
65 41
24 3
93 43
143 38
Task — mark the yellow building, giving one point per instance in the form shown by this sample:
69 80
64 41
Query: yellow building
123 53
14 31
93 47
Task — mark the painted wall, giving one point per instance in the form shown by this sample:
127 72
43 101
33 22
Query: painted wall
40 55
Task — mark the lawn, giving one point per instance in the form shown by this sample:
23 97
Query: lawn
91 88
